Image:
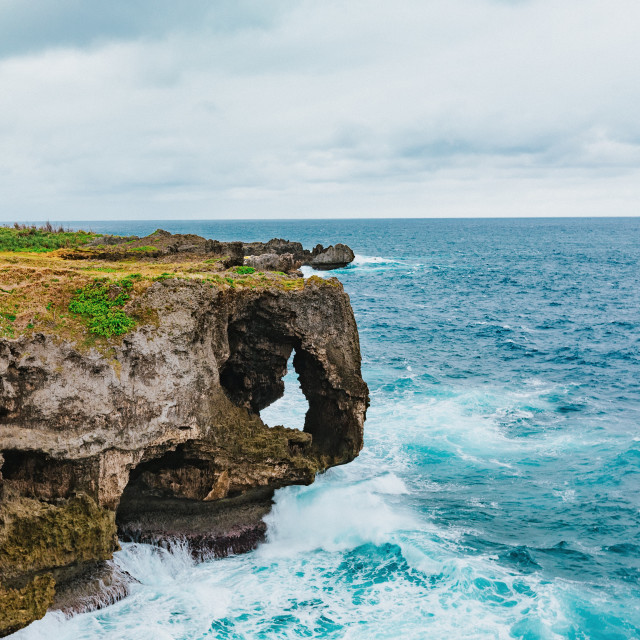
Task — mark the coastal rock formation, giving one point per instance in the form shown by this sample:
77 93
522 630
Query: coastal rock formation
284 262
162 244
157 434
332 257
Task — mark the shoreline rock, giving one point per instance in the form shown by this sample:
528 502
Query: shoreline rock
156 435
283 255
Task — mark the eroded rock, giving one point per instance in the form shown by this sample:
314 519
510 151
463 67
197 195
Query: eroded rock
275 255
284 262
160 435
333 257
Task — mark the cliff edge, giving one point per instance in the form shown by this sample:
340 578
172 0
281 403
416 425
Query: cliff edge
130 399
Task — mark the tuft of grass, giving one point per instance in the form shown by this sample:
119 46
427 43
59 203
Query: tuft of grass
143 249
100 303
243 270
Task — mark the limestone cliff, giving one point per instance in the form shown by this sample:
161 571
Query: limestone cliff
156 433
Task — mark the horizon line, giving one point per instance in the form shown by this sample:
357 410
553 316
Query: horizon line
307 219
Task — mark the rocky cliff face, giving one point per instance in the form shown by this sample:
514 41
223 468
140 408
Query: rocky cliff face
159 435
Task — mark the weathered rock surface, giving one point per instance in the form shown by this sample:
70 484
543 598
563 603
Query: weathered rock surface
332 257
284 262
160 436
162 244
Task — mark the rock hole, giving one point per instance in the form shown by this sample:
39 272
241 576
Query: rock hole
289 410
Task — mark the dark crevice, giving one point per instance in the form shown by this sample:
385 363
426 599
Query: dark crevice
37 475
165 500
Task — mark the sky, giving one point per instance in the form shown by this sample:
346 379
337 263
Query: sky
226 109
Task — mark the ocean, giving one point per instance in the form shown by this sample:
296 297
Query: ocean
498 492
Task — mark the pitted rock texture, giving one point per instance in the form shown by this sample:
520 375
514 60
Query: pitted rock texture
161 433
333 257
284 262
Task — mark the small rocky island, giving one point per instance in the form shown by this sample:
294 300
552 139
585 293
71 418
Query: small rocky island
132 376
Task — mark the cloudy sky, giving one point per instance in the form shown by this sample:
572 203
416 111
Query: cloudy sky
143 109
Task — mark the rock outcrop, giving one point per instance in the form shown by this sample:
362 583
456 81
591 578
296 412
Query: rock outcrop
284 262
332 257
158 434
162 244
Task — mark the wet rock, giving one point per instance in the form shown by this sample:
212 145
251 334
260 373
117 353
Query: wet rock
97 586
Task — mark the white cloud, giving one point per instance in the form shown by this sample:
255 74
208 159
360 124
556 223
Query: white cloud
414 108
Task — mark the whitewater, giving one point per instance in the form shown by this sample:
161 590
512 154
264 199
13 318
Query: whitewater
498 492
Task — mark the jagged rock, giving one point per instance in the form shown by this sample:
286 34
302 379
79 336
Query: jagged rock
283 262
162 244
276 245
234 251
159 436
333 257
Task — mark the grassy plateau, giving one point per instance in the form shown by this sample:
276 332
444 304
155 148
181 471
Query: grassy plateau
50 282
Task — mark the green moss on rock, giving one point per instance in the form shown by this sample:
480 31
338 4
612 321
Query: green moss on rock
38 536
20 607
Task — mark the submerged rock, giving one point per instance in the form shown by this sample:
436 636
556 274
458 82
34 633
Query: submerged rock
156 434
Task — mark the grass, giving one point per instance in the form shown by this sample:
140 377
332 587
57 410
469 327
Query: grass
91 303
21 238
244 270
100 304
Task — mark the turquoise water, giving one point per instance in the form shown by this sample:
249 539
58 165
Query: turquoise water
498 493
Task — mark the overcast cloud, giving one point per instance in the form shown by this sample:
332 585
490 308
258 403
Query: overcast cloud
294 108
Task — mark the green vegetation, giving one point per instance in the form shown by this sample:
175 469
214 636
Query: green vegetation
90 302
243 270
103 269
100 303
143 249
40 239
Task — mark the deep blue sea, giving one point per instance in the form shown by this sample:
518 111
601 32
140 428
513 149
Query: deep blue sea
498 492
